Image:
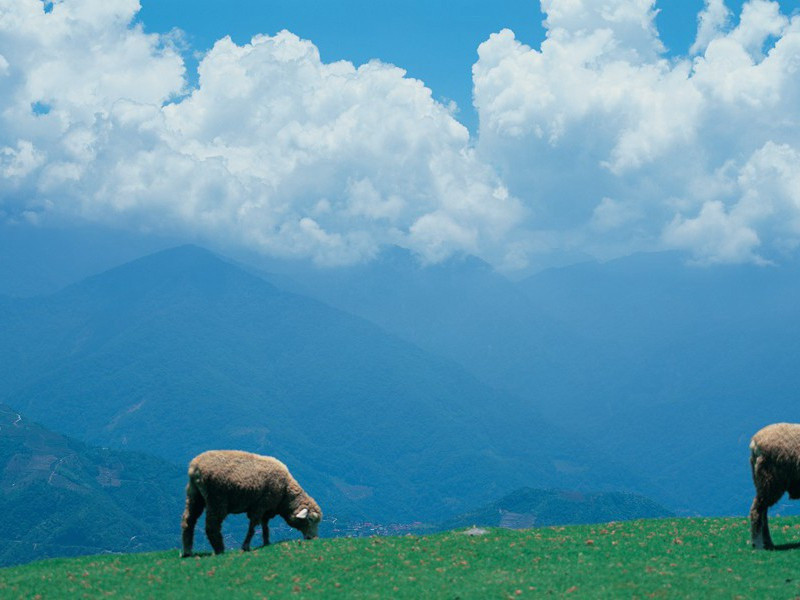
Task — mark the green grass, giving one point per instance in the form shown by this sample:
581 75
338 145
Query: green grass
672 558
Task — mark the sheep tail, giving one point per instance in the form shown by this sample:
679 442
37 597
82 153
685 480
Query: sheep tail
755 453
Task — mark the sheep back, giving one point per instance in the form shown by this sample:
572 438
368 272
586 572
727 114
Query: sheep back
775 457
234 481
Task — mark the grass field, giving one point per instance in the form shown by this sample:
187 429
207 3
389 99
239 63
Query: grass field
673 558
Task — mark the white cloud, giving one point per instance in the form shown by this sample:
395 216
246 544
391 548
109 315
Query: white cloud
611 214
767 189
595 143
760 19
18 162
714 236
616 148
711 23
274 149
630 24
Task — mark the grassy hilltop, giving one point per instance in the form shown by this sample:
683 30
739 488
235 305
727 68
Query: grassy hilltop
670 558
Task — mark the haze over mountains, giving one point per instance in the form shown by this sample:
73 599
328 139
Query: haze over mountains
669 367
402 392
181 351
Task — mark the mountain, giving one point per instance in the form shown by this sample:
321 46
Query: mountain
528 507
181 351
460 309
667 367
677 366
63 498
36 259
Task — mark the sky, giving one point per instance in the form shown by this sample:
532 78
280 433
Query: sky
526 133
433 40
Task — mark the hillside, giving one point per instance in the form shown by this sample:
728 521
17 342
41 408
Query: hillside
461 309
671 558
181 351
63 498
641 356
638 358
528 507
677 367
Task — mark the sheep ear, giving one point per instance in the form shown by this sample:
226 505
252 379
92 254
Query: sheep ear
302 514
314 516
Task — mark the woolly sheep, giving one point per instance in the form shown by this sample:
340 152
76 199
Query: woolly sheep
775 464
227 482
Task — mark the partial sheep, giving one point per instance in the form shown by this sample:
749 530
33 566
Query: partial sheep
227 482
775 464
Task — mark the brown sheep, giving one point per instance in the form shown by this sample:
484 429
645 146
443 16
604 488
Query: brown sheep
227 482
775 464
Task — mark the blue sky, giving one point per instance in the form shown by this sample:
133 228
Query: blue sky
584 129
434 40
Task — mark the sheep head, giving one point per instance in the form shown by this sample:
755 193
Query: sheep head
307 522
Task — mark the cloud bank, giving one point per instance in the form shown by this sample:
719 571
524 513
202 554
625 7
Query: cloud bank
595 143
274 149
616 148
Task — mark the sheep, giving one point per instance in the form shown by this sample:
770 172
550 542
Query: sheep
227 482
775 465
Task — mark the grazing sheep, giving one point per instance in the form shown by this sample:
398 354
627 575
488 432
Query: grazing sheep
775 463
227 482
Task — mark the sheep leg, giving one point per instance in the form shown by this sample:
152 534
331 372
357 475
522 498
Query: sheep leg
250 531
214 531
195 503
768 545
759 525
265 530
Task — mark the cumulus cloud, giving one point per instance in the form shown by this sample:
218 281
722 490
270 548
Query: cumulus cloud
616 147
712 21
596 143
273 149
768 192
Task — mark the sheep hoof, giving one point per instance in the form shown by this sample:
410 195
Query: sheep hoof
185 554
763 546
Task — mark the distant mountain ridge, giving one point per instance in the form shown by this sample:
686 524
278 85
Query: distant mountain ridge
182 351
663 368
666 366
63 498
36 259
529 507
